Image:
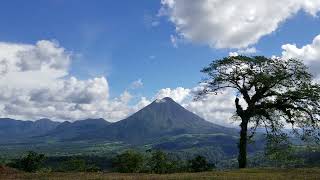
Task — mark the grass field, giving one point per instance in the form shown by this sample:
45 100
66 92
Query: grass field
290 174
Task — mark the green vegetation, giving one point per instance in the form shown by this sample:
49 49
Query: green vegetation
77 165
275 91
128 162
157 162
281 152
31 162
200 164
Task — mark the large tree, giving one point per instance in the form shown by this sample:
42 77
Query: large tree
269 92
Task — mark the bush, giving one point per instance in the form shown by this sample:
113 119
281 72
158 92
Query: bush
78 165
128 162
199 164
160 163
30 162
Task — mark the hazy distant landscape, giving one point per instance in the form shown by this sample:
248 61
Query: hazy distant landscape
163 124
162 89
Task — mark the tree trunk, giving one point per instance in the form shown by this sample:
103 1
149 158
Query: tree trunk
242 158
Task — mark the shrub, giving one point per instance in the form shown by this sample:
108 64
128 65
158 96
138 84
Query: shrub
199 164
30 162
78 165
128 162
159 162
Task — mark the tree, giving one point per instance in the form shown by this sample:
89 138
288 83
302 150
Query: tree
199 164
30 162
273 91
159 162
128 162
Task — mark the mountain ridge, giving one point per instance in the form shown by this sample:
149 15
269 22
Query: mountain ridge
161 118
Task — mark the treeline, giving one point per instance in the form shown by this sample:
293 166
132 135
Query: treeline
158 162
36 162
279 152
130 161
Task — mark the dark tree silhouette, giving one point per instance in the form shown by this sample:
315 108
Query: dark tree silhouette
31 162
274 91
200 164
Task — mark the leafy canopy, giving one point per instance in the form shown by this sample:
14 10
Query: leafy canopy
275 91
128 162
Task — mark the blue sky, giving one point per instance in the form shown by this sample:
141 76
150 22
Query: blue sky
125 41
115 39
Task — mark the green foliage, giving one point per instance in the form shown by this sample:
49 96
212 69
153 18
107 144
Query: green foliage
271 88
78 165
3 161
280 152
200 164
160 163
128 162
92 163
31 162
157 162
276 92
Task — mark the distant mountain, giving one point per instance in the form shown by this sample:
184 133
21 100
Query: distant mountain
162 124
11 129
161 118
76 130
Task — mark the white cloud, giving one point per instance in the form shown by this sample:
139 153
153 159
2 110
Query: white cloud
27 66
136 84
231 23
179 94
34 84
309 54
174 41
45 54
141 104
247 51
233 54
218 109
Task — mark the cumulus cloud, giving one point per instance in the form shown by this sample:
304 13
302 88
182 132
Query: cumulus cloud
218 108
45 54
309 53
231 23
178 94
233 54
247 51
34 84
